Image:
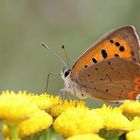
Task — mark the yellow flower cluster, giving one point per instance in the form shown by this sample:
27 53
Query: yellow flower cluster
21 112
39 121
135 123
15 108
131 109
26 114
113 118
78 121
57 109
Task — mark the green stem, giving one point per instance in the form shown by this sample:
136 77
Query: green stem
51 135
13 131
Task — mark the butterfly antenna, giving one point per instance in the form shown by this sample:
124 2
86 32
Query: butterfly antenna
60 59
66 56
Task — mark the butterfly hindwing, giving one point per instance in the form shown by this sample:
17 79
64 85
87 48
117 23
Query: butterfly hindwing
110 80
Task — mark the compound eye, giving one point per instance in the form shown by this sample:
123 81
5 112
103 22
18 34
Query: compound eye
67 73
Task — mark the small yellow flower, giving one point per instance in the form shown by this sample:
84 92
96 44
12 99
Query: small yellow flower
113 118
131 109
85 137
43 102
78 120
135 123
54 99
39 121
57 109
15 107
133 135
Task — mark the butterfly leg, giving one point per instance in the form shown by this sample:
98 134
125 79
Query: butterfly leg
61 94
64 94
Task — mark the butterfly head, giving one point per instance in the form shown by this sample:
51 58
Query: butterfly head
70 85
65 73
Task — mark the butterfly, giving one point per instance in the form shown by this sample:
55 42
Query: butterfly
108 70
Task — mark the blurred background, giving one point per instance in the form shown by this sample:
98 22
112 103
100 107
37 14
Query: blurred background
24 24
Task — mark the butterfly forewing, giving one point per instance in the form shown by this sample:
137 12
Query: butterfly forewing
122 43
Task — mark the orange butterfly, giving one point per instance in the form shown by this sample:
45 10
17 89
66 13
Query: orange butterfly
108 70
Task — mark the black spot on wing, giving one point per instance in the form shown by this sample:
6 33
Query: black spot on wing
117 44
96 68
116 55
106 90
94 60
111 41
104 53
121 48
